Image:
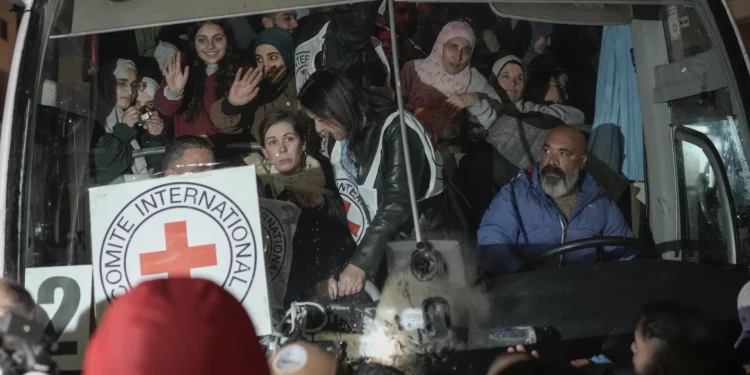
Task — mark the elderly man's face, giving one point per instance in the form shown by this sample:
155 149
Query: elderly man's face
563 157
193 160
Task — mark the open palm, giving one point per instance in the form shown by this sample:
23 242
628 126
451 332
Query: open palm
175 75
245 87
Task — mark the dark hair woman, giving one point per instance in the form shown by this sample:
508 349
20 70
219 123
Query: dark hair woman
369 165
269 87
188 92
322 244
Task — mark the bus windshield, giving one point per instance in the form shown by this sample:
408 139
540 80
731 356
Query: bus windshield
416 185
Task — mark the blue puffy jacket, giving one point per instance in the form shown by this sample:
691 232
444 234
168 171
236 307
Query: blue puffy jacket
523 222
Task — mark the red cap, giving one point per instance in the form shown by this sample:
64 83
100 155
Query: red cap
175 326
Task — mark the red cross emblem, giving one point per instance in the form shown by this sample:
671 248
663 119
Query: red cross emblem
179 258
353 227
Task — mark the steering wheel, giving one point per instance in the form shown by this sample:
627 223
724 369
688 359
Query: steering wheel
594 242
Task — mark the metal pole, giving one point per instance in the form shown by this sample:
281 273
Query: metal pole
404 129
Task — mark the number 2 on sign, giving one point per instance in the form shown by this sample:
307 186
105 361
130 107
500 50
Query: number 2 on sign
68 306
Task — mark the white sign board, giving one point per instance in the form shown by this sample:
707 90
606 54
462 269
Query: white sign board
64 295
202 225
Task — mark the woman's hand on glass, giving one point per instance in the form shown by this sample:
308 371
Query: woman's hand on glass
154 125
131 117
333 288
351 281
245 87
175 75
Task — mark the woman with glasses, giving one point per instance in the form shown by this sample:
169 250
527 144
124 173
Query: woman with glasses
124 129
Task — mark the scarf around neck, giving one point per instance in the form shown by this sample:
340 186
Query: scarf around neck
311 179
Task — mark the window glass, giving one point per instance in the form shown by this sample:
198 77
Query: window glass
712 115
685 33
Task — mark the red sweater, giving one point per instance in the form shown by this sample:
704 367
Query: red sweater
201 124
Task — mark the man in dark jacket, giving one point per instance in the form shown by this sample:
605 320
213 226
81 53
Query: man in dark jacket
554 202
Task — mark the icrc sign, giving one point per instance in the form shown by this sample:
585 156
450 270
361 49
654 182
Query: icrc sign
204 225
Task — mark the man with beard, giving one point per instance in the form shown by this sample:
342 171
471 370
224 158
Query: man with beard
554 202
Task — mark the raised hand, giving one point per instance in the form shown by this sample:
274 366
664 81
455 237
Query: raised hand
245 87
175 75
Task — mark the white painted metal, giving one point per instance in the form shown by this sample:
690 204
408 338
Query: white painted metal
650 51
5 132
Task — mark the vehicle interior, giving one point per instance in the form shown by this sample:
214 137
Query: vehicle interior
683 178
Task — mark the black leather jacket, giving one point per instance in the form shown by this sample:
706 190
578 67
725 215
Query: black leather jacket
394 208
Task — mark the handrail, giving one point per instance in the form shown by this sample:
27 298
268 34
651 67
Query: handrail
237 146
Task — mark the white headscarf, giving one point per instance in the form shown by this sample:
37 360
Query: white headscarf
151 86
139 164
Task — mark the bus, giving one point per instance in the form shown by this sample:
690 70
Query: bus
684 162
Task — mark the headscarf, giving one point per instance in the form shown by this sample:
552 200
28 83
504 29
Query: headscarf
538 30
431 71
150 86
282 40
115 116
500 65
175 326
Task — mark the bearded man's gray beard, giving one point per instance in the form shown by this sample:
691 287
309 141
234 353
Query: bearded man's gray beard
556 183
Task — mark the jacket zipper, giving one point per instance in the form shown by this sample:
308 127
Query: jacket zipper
565 228
562 238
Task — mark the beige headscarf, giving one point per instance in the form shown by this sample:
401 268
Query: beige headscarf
311 179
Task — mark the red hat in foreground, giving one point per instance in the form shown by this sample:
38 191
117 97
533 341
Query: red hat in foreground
175 326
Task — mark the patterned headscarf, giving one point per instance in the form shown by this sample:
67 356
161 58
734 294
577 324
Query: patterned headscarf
431 71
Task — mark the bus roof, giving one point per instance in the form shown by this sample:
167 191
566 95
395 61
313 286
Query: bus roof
90 17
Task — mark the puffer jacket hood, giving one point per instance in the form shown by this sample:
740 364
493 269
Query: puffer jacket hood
175 327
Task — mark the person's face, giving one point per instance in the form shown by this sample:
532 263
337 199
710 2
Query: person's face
283 147
329 126
144 101
561 161
193 160
403 15
513 81
542 45
211 43
286 20
126 89
456 55
268 58
643 352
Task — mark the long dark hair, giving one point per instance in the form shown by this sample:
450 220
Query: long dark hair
224 75
328 94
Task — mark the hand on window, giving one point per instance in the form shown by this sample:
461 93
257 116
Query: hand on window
333 288
245 87
351 281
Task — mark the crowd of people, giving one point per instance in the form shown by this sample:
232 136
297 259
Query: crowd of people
318 95
487 112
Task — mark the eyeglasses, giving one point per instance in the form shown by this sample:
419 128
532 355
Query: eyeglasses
137 86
